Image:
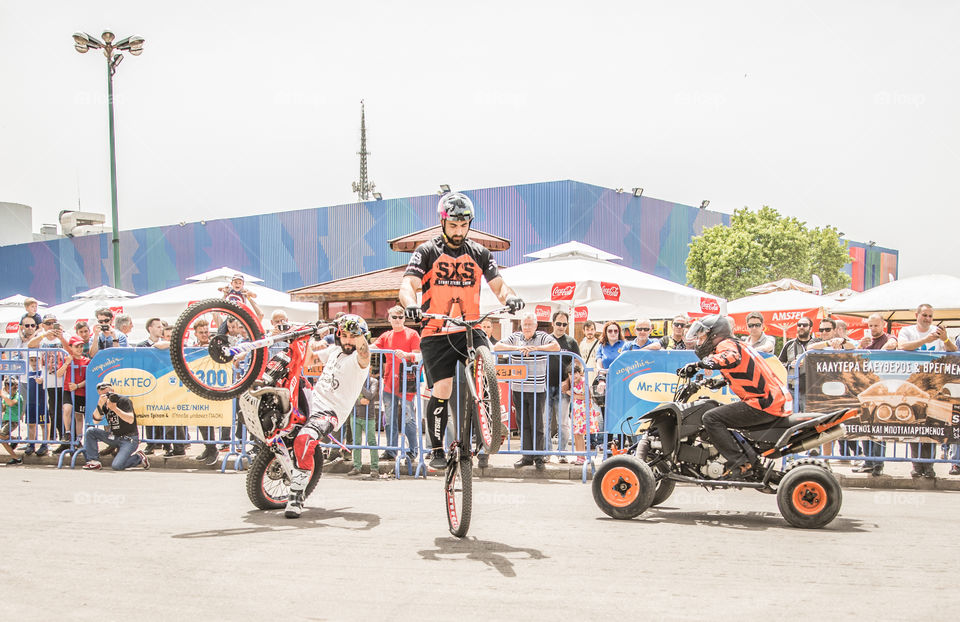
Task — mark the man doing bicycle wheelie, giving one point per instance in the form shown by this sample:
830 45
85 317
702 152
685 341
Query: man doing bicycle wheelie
447 269
764 398
345 369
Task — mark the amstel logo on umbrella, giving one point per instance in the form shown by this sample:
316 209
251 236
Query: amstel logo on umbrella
562 291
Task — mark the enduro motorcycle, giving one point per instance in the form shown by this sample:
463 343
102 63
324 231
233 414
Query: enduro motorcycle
674 448
272 395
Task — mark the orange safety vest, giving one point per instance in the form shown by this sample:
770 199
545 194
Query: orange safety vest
750 378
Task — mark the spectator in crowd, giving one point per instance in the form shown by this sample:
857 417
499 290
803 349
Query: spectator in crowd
29 389
237 292
82 330
11 405
924 336
156 434
104 335
279 323
875 339
559 368
643 340
791 351
74 372
756 338
201 339
674 341
30 310
611 344
529 395
833 336
51 338
487 327
124 324
577 390
399 387
588 348
122 433
366 417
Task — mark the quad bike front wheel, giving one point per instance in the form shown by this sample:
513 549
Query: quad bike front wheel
268 485
809 497
623 487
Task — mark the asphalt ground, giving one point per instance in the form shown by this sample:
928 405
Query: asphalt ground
173 544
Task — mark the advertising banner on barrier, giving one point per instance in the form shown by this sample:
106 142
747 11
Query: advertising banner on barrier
146 376
899 394
638 381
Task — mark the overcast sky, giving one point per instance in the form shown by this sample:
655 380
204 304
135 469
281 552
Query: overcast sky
842 113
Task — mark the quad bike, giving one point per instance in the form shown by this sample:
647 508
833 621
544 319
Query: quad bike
271 394
674 448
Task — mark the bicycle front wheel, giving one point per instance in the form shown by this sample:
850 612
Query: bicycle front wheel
459 494
207 371
486 412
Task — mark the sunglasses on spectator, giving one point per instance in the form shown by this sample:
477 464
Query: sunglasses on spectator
613 330
644 330
29 325
825 329
396 317
802 325
755 325
559 323
681 324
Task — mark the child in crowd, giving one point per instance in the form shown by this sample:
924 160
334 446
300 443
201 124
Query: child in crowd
74 369
366 418
237 293
577 392
11 404
30 307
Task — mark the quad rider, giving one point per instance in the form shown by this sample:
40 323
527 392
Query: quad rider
345 369
764 398
447 269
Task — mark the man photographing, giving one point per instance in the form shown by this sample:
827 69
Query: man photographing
122 433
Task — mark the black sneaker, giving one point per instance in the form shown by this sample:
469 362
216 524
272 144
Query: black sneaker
438 461
954 470
15 461
29 450
522 462
483 461
149 450
538 464
930 474
42 451
206 455
174 453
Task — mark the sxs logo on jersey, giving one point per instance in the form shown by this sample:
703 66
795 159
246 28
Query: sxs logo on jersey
455 274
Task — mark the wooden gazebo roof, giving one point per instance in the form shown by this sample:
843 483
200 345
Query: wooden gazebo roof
409 243
377 285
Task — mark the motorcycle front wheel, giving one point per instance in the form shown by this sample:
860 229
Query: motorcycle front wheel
623 487
209 371
268 485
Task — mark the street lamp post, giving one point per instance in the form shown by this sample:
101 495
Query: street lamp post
134 44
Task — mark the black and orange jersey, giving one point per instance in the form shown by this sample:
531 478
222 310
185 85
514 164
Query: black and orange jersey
450 278
751 379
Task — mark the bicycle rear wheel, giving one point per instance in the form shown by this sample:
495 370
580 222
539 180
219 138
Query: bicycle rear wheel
207 371
459 494
486 409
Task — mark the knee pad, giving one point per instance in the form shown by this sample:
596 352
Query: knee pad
309 437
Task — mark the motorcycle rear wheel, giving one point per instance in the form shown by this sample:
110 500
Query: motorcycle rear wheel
267 484
623 487
809 497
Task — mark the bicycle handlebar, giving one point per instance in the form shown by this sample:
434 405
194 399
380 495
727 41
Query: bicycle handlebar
461 322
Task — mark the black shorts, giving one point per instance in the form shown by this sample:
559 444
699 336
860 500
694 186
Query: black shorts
441 353
79 402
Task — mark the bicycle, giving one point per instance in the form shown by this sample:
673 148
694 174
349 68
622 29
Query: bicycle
479 407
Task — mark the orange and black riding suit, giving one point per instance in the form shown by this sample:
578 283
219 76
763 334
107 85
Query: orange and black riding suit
764 398
450 282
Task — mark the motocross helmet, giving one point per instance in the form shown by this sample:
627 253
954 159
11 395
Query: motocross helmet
353 325
717 329
454 206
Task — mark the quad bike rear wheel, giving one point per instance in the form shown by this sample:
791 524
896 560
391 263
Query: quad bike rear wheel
623 487
809 496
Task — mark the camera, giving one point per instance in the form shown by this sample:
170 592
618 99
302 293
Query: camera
113 397
283 327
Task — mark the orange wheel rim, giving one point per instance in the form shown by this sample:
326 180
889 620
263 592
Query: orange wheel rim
809 498
620 486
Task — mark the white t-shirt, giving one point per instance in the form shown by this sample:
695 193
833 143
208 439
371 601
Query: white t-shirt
912 333
339 385
50 361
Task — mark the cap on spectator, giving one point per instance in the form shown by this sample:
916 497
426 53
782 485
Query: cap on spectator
104 385
49 318
237 276
75 340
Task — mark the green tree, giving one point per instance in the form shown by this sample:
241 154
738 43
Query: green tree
764 246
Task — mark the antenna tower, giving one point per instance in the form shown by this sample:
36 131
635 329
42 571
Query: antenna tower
363 188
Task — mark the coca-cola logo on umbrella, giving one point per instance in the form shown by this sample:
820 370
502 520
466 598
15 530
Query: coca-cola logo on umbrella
579 314
709 305
542 312
12 327
610 291
562 291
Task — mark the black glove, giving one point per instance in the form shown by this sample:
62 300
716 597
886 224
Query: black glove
514 303
414 312
690 369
